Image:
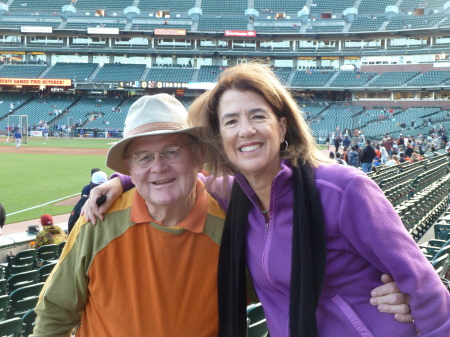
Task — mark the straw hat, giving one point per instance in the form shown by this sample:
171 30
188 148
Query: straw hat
159 114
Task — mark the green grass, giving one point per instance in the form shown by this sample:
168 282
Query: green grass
85 143
29 180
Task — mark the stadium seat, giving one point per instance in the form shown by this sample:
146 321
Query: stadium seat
24 299
257 326
11 327
441 264
4 305
22 279
47 252
13 270
45 271
442 232
28 322
3 286
61 247
23 257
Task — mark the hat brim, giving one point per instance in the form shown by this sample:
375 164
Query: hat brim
115 156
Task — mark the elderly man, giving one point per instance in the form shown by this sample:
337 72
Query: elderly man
150 268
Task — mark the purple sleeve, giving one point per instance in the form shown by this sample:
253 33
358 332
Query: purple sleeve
124 179
219 188
378 235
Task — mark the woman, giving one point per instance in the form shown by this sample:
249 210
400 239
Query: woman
384 154
290 213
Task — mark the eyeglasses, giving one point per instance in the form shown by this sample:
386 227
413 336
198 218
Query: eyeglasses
168 155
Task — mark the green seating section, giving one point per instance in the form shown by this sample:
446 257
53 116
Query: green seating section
282 73
111 120
77 71
99 24
423 207
415 22
431 78
265 6
311 109
394 78
370 6
351 79
6 98
174 5
153 26
186 100
336 115
209 73
40 111
38 5
229 6
18 24
335 6
378 129
120 72
367 23
104 4
21 71
311 78
88 105
328 28
221 23
370 115
170 74
413 4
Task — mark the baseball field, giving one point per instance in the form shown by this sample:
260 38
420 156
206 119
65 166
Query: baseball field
38 177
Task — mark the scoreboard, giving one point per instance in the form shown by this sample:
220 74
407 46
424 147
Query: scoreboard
152 84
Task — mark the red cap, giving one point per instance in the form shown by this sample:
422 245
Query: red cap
46 219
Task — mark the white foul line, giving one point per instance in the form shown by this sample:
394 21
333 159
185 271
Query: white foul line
47 203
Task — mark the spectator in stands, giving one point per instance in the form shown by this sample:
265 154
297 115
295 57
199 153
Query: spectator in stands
353 157
409 150
331 155
377 151
87 189
444 139
98 178
158 232
339 160
50 234
254 132
337 142
393 160
384 154
346 142
402 158
388 145
17 138
376 161
415 158
367 155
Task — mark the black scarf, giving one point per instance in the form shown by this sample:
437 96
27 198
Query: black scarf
308 260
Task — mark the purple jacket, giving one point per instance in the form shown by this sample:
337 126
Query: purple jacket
365 238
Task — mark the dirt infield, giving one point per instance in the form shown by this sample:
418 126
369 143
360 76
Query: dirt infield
52 150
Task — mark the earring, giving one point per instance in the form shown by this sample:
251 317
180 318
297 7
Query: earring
286 146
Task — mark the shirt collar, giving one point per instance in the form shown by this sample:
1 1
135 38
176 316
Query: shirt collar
194 221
